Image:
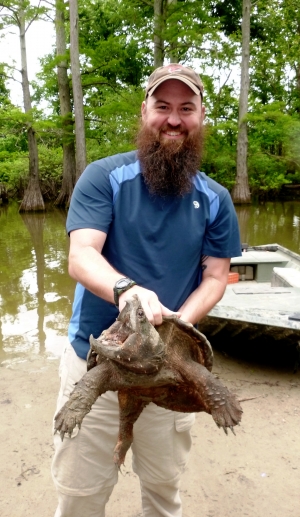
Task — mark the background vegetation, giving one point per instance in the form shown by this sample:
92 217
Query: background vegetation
120 42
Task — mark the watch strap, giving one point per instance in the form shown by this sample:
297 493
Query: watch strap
125 284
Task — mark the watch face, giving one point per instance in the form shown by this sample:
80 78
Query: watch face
123 282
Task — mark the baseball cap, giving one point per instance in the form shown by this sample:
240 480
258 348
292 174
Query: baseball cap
174 71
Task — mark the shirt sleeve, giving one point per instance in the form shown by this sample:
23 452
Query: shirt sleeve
222 237
92 200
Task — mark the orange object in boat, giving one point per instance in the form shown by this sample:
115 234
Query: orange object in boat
233 278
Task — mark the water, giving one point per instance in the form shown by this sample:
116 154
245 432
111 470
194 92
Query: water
36 292
35 289
271 222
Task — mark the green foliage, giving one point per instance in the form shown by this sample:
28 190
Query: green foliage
116 56
219 160
50 168
273 137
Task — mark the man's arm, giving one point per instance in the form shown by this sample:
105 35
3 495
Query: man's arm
88 267
209 292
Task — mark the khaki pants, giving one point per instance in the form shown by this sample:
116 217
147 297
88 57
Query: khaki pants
83 470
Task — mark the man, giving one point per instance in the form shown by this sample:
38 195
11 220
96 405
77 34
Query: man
146 223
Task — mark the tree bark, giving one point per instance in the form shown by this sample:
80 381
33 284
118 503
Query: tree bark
298 69
241 192
69 163
158 33
173 55
33 199
77 90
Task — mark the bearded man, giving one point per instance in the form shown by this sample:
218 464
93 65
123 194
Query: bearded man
148 223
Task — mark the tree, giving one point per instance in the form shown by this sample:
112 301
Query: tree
241 191
69 163
158 23
17 14
77 89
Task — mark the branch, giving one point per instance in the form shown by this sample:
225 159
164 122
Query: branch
226 80
147 3
88 85
35 16
13 16
11 78
89 119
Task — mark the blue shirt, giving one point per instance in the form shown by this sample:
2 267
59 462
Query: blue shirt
156 241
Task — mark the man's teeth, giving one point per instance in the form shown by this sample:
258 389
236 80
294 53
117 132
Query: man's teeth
173 133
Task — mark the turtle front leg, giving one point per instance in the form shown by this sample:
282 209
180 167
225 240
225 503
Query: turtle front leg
130 409
87 390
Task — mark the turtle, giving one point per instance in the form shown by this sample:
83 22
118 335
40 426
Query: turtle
169 364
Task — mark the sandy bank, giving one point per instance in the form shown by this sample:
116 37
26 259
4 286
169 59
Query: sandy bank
255 473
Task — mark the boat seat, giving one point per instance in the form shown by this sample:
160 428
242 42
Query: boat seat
262 263
285 277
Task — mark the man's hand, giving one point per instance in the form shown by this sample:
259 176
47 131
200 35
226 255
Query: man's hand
154 310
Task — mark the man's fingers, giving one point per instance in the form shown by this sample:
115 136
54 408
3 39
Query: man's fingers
166 312
156 312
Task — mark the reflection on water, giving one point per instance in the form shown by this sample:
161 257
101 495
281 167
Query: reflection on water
271 222
36 291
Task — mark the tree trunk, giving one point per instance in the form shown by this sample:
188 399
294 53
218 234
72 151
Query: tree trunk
158 33
33 199
69 163
77 90
241 192
298 70
173 55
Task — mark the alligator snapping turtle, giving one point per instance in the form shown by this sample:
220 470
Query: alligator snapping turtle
169 365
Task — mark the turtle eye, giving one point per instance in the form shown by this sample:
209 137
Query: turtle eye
140 313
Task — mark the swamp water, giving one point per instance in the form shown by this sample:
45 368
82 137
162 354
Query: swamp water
36 292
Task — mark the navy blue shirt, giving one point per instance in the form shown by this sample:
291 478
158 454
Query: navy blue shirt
156 241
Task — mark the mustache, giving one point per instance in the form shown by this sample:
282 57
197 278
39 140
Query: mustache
168 127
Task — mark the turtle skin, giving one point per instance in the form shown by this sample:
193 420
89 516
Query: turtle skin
169 365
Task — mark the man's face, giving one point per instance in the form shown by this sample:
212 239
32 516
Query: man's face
170 139
173 112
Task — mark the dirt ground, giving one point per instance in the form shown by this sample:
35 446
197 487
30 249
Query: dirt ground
255 473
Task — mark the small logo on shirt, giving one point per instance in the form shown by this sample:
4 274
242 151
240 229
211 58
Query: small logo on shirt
196 204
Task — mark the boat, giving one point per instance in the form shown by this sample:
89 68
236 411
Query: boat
262 298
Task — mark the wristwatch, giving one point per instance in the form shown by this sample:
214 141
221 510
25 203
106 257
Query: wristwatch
121 286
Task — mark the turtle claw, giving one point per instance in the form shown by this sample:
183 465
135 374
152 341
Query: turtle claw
232 430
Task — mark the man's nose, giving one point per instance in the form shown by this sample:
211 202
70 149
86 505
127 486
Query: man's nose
174 118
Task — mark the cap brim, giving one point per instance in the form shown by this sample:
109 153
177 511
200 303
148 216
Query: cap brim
191 85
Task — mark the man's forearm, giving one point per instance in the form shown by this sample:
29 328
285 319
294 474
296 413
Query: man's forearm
202 300
210 291
92 270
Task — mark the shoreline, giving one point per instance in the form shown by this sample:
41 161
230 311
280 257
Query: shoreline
255 473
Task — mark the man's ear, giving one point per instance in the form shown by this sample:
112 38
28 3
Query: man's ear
143 109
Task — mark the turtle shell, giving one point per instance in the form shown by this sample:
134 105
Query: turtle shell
186 335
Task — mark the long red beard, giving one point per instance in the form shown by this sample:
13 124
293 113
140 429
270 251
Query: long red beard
169 167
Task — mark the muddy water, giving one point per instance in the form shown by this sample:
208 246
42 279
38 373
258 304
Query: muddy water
36 292
35 289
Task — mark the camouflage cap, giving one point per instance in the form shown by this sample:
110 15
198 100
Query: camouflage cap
174 71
